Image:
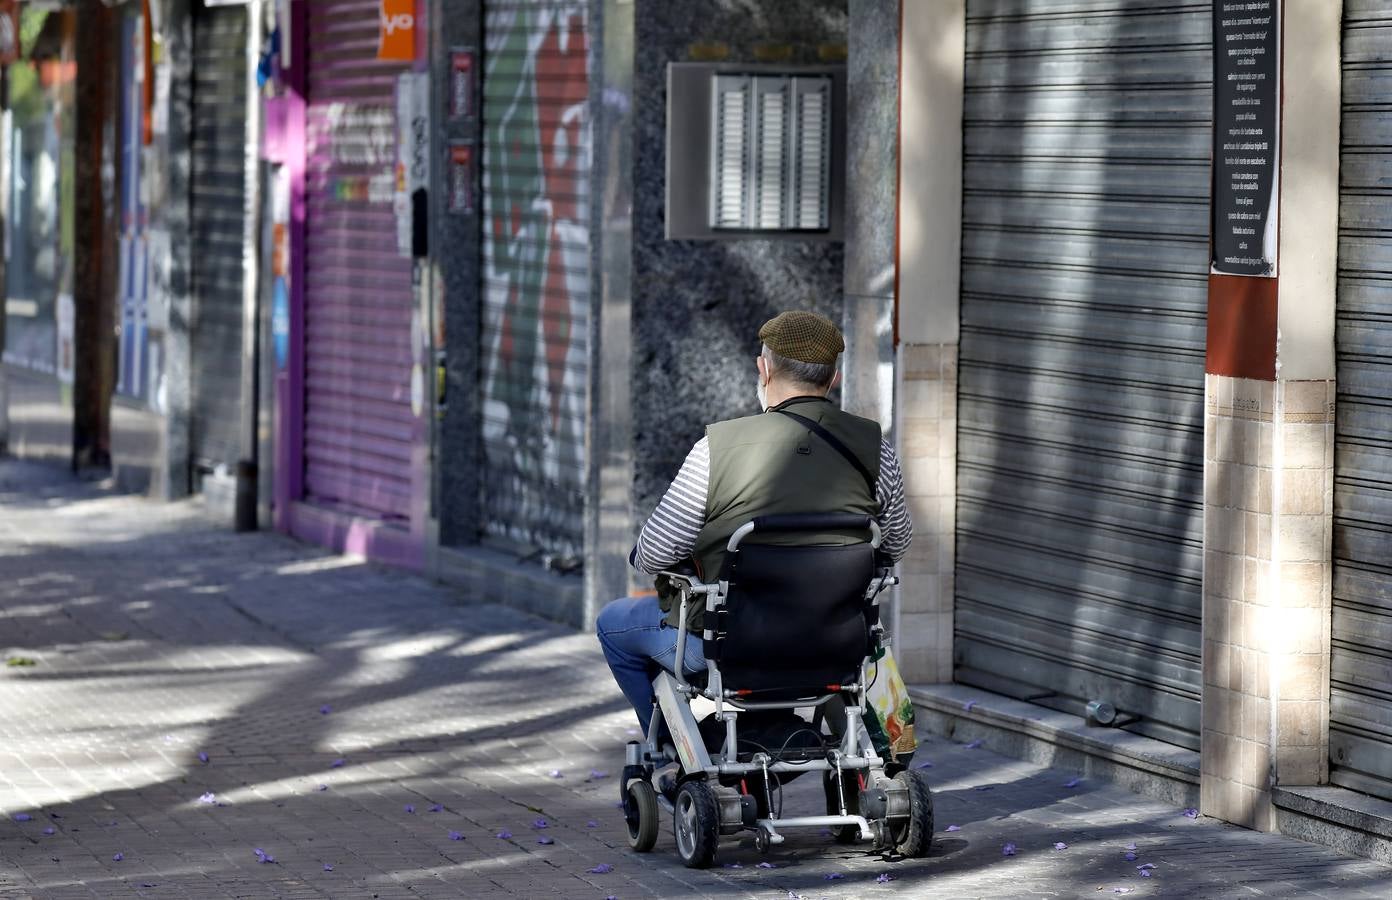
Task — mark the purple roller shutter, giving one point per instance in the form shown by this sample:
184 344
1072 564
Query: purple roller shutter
359 428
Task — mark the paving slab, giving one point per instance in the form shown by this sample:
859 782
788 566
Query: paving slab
196 696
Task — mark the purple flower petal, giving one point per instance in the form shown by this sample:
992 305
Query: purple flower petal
1130 855
437 808
328 868
1073 783
23 817
595 775
1146 873
1060 845
504 835
50 830
968 705
1008 849
541 823
117 857
546 841
456 836
1191 813
411 808
1145 867
322 787
592 824
1130 846
601 869
954 828
733 866
556 773
203 758
325 709
337 764
208 797
767 865
885 878
974 744
832 876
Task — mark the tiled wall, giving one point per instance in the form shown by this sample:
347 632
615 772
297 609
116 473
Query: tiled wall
1268 494
928 446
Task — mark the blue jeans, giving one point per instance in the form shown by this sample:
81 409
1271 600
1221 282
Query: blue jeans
636 641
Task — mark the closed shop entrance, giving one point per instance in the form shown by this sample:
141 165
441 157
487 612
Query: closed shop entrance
359 427
536 275
1081 370
219 232
1360 727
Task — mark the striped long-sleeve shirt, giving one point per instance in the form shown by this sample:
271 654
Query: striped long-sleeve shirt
670 534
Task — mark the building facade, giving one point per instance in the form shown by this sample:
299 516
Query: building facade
141 304
1153 490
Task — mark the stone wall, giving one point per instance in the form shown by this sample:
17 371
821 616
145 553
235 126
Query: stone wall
697 305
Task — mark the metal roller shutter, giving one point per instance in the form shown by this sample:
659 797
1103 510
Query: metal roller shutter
536 279
1081 373
359 428
219 224
1360 727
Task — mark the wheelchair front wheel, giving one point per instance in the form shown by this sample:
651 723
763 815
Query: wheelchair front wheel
641 815
696 820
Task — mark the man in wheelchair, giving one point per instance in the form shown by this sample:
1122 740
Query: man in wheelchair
770 547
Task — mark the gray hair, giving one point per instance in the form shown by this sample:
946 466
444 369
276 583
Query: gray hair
813 375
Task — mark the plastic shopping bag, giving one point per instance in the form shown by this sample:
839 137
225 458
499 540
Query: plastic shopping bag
889 713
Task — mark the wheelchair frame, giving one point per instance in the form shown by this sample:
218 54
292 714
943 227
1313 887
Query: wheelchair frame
882 803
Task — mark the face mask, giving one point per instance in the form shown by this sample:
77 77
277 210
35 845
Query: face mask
762 393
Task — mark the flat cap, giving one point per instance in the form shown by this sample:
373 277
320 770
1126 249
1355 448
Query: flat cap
803 336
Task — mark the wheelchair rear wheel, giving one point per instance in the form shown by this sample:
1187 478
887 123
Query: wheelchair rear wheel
913 835
641 815
696 820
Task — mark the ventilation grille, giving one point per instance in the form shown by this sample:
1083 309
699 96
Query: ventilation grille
770 154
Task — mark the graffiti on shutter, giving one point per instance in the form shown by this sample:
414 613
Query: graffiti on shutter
536 273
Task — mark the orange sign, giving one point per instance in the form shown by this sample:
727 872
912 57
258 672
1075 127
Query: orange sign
398 31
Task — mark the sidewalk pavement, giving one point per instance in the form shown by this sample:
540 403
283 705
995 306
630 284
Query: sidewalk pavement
219 715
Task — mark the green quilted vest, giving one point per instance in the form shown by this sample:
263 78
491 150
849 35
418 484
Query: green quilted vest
770 464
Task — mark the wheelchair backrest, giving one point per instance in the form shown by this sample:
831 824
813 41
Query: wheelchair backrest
795 619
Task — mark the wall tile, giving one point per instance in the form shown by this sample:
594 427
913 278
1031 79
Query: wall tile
1303 491
1303 446
1303 538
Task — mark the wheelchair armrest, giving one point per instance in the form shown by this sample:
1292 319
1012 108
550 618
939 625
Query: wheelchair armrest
689 583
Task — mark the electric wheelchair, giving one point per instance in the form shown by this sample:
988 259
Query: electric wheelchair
786 628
